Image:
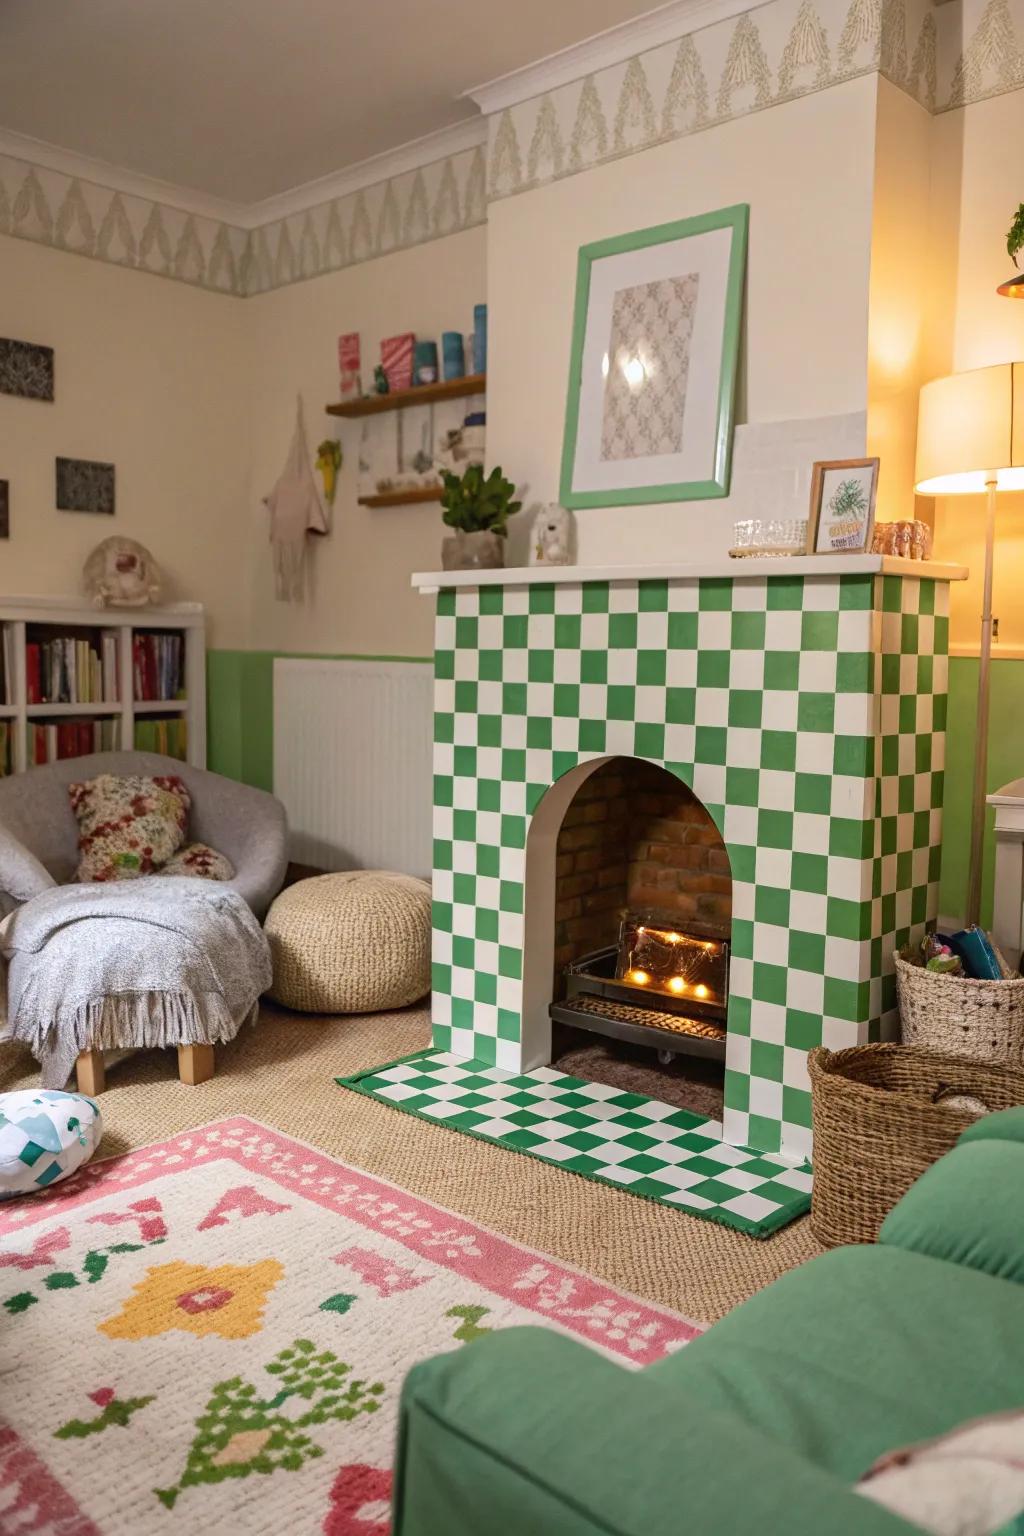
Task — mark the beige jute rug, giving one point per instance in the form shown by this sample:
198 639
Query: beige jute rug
282 1074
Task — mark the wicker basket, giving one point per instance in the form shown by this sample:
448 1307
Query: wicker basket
877 1127
983 1020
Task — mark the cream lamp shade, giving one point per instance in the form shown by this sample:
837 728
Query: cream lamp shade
970 432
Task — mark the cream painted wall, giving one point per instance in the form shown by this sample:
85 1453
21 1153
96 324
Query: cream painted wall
909 315
150 377
976 188
362 601
806 169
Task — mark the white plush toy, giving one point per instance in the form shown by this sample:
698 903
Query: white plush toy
121 573
551 536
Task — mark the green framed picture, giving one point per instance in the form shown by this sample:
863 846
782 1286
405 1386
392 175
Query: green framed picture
652 378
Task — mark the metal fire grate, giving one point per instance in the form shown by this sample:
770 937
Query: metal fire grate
653 1017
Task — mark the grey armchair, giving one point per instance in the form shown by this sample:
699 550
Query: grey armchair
39 834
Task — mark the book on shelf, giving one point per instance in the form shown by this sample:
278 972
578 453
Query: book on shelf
69 670
166 735
7 689
6 748
51 741
158 665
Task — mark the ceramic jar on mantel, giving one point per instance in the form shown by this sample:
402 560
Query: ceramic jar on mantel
482 551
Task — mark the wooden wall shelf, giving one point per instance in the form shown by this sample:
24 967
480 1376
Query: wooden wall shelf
404 399
402 498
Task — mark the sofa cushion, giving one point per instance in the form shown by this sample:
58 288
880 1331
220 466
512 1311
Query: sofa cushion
198 862
860 1350
529 1433
130 826
968 1208
1004 1125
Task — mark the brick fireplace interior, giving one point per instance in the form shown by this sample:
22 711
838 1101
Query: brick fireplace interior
634 839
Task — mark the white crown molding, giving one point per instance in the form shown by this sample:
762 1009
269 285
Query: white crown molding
664 25
101 173
468 134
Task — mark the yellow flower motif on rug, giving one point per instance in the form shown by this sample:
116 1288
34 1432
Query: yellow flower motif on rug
228 1300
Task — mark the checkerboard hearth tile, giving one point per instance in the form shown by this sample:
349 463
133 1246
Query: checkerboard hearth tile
617 1138
807 713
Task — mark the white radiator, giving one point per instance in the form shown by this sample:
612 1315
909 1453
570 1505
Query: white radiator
353 762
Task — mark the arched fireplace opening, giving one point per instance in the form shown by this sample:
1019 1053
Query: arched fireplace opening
629 906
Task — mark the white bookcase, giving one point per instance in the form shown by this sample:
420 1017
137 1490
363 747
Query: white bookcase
21 617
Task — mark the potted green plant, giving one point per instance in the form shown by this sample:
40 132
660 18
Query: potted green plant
478 507
1013 288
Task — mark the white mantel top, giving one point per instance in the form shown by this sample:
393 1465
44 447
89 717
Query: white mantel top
738 570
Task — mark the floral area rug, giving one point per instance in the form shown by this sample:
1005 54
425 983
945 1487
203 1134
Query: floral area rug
211 1334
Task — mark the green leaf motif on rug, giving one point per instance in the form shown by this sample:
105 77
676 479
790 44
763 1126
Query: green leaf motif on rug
469 1330
94 1267
117 1411
240 1433
340 1303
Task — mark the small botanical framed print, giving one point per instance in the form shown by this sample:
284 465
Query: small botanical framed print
652 375
842 512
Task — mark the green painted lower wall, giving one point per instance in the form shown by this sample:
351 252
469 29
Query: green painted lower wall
240 709
1005 762
240 743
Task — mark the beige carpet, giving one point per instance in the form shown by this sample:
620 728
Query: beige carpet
283 1074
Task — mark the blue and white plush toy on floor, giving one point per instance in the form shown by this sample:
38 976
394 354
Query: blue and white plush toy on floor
45 1136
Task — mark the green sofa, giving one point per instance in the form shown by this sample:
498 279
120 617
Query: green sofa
763 1423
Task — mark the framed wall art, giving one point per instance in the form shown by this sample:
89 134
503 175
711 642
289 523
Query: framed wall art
842 512
84 486
26 369
5 509
652 377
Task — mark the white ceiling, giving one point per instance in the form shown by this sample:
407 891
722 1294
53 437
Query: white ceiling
246 99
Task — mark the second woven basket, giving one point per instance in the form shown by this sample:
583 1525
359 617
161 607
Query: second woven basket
877 1127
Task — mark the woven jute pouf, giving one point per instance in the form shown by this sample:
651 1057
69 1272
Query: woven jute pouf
351 943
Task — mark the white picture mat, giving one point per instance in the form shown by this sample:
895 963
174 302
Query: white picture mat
708 255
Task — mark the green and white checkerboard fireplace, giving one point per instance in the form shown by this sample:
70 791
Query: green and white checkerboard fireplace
806 711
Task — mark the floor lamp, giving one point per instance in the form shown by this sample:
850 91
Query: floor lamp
970 442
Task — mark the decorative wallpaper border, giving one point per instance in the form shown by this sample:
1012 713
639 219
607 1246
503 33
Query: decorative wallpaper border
944 56
71 214
425 204
763 58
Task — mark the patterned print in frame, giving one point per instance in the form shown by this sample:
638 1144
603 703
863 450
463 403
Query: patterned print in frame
652 373
26 370
649 359
85 486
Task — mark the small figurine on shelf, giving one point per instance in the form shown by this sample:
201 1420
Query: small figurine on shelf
380 381
328 462
121 573
551 536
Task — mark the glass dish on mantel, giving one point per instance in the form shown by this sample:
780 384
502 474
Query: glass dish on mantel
766 537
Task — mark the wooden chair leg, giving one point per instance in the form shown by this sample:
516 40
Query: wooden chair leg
195 1064
90 1075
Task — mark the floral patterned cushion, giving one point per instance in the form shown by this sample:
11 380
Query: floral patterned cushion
198 860
128 827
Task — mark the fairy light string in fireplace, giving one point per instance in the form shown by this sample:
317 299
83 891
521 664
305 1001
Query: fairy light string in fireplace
660 959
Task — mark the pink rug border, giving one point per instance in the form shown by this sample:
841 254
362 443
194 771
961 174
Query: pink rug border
618 1322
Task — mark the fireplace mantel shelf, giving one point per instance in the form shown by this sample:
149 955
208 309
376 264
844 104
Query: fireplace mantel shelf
739 570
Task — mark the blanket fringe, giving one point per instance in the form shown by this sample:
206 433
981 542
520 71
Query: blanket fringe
136 1020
